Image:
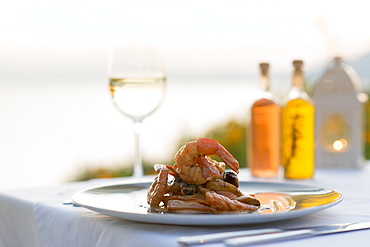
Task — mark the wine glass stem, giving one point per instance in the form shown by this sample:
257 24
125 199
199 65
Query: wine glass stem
138 172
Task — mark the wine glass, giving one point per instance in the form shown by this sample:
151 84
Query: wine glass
137 83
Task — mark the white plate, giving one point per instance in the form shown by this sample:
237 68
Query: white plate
280 201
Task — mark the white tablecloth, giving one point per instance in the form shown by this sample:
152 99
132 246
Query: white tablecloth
37 217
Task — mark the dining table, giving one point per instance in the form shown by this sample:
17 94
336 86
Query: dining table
45 216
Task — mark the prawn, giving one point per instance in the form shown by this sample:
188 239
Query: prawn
194 167
158 189
220 185
189 207
222 203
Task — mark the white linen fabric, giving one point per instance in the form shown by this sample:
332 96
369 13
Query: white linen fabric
37 217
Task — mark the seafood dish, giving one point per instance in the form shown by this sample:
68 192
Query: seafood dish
198 183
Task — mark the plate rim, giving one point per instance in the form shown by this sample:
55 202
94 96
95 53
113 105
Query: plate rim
212 219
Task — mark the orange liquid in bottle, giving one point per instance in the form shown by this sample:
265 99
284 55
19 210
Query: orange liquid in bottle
264 139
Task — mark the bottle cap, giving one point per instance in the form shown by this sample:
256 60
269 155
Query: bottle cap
338 61
264 67
298 64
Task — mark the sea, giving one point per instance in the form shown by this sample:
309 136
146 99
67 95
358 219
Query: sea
52 130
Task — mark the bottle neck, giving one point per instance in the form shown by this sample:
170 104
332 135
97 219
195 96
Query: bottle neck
298 80
264 83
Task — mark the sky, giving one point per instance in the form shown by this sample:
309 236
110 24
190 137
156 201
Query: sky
278 31
185 22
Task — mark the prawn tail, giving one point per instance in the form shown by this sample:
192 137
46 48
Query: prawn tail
172 171
159 167
226 157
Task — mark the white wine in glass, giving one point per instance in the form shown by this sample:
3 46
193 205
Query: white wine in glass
137 84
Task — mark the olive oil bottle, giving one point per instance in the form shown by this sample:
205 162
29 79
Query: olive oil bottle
264 131
297 129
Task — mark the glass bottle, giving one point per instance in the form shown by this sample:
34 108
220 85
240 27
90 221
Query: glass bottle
264 131
297 133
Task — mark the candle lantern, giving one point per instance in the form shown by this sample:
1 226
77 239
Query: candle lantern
338 118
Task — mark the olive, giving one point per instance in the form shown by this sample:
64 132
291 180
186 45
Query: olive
189 189
230 177
176 186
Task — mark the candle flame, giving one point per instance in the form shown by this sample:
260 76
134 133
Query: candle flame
339 145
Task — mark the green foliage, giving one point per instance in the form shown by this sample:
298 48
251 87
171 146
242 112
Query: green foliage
367 130
232 135
122 170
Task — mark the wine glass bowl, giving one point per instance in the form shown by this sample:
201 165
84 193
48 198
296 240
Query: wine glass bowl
137 98
137 83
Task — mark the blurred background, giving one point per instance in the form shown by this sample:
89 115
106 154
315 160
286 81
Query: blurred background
57 121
